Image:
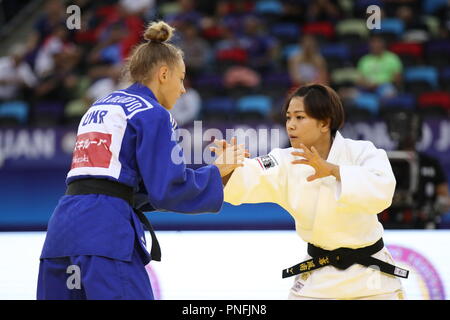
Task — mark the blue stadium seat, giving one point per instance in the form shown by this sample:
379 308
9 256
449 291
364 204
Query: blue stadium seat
209 81
259 103
268 7
392 26
339 50
219 104
286 32
430 6
402 101
17 110
289 50
424 74
279 80
367 101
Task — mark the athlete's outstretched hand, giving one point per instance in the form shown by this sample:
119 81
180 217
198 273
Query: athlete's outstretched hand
313 159
229 155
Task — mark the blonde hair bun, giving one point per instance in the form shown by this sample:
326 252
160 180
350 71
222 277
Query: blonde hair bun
158 32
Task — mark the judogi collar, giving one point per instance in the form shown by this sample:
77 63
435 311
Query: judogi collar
141 90
336 147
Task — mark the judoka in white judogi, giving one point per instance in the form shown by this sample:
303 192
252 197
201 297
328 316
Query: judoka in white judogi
328 213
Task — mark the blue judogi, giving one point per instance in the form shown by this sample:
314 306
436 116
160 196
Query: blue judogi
126 137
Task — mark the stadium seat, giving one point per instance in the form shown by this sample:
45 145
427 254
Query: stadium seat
336 55
367 101
279 79
232 55
401 101
289 50
344 77
409 53
255 103
209 81
416 35
286 32
431 6
435 99
391 28
352 30
219 108
421 79
14 112
322 30
271 7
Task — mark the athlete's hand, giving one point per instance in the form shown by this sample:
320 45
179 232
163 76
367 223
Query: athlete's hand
312 158
229 156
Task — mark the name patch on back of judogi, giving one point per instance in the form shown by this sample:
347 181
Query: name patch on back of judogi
267 161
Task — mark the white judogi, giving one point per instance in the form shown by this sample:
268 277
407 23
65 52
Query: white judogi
328 213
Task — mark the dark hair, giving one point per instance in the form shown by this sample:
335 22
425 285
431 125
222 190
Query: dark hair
322 103
157 49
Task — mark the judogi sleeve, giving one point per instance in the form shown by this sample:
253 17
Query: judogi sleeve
259 180
169 184
368 185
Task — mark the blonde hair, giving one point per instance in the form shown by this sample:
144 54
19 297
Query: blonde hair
149 54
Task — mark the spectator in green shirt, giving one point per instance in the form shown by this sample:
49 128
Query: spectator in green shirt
380 70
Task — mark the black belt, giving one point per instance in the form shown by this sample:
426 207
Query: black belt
342 258
118 190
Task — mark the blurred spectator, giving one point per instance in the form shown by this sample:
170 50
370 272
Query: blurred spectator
262 49
137 7
15 74
109 49
232 14
119 29
410 20
188 106
53 16
54 44
241 76
105 85
59 85
308 65
380 70
230 50
197 51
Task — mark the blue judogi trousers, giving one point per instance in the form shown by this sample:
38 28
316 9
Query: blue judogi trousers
100 278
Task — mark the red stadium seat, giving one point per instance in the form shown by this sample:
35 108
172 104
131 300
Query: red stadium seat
320 29
236 55
407 48
435 99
